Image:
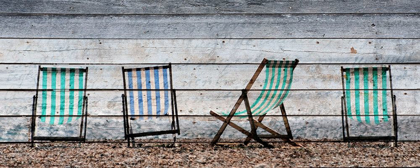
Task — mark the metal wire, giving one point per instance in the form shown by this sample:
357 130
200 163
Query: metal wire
202 90
221 13
203 116
188 64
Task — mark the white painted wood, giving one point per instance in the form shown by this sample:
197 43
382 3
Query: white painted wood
193 103
108 34
211 26
209 77
208 50
207 7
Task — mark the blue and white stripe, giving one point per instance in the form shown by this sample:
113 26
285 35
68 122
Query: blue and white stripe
148 92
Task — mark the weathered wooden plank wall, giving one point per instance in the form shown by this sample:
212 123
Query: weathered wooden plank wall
207 6
107 35
212 26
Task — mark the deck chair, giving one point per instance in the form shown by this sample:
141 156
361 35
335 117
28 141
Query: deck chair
148 94
368 100
278 80
62 103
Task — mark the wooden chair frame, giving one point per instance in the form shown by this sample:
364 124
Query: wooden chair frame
255 124
344 117
83 122
128 132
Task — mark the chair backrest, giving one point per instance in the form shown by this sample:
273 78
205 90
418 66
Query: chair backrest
365 92
277 83
147 90
63 92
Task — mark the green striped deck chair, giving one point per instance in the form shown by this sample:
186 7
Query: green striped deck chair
148 94
60 101
277 83
368 98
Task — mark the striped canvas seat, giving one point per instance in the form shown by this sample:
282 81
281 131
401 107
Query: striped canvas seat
147 102
368 98
148 94
277 83
366 94
58 98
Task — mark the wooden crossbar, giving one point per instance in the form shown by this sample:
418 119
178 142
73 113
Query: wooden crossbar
255 124
44 138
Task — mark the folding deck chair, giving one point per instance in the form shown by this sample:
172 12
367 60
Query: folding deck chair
366 99
147 94
63 104
278 80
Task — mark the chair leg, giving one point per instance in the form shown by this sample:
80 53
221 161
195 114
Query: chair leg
32 131
133 143
395 123
233 125
247 133
173 144
248 139
174 135
252 123
33 120
226 121
240 129
342 118
286 121
258 124
396 142
130 131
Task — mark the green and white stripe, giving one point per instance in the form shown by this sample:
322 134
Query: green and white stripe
366 94
278 80
58 97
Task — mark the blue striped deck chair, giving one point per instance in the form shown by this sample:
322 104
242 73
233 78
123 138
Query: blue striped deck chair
368 99
60 100
277 83
148 94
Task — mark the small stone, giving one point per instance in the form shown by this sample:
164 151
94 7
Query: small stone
261 165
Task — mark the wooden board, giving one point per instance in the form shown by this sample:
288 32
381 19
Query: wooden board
192 103
211 26
106 35
117 51
207 7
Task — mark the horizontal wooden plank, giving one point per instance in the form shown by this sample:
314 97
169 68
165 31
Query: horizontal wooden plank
211 26
313 128
103 51
316 77
207 7
200 103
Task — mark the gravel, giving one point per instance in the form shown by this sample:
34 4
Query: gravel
188 153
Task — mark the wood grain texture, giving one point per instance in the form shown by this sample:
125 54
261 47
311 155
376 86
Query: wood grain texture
192 103
207 6
211 26
116 51
97 52
105 35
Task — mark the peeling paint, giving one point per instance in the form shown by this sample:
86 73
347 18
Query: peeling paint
353 51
